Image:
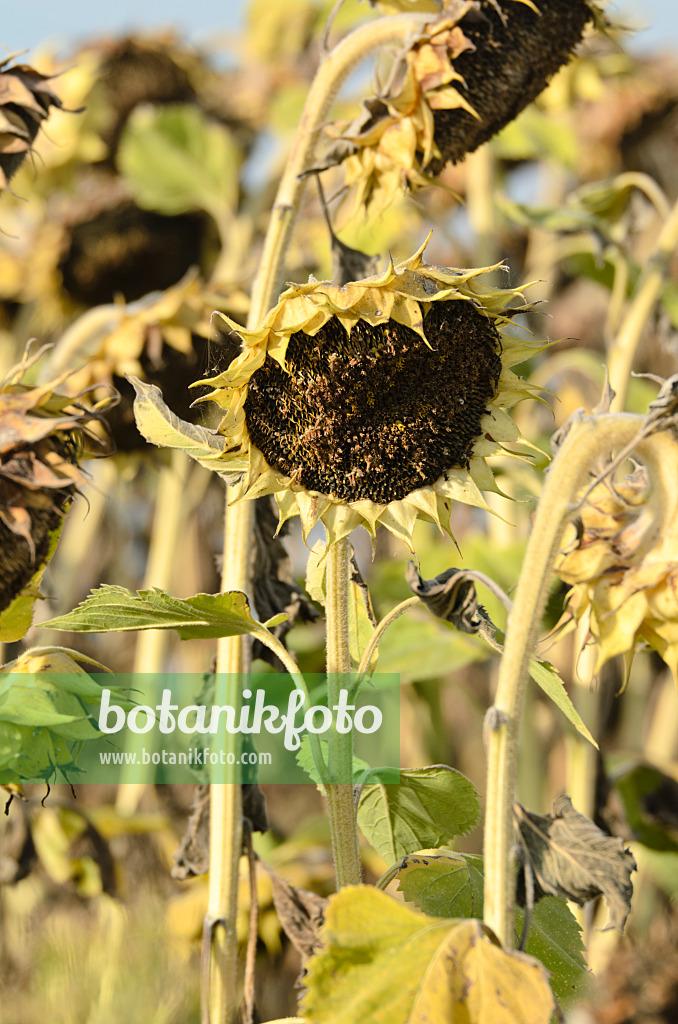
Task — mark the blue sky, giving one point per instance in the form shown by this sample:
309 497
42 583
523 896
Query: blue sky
27 24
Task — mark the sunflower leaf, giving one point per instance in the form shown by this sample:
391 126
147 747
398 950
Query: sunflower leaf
174 159
300 912
448 884
443 883
306 761
160 426
570 857
427 808
381 961
48 705
112 609
546 677
16 619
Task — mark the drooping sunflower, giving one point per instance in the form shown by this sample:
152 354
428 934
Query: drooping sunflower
623 562
44 434
26 98
376 402
459 81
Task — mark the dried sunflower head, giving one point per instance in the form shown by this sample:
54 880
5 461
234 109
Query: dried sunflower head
25 101
43 435
376 402
623 564
463 78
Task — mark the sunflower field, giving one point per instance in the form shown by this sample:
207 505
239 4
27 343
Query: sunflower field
339 520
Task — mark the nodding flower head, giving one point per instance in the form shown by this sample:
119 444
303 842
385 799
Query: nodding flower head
623 563
376 402
464 77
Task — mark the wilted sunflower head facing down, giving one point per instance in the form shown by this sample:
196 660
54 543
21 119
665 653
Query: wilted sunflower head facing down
377 402
457 82
623 563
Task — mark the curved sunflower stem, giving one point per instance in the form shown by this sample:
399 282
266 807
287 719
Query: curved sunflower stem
334 70
624 348
587 439
379 630
340 801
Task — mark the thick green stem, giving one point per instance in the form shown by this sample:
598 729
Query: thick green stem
340 800
625 346
587 440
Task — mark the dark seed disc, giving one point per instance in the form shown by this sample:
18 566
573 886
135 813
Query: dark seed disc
512 62
378 413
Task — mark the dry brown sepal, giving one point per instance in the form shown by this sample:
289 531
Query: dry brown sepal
43 436
623 564
26 98
463 78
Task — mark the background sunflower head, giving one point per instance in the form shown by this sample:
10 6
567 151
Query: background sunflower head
376 402
26 98
624 563
43 436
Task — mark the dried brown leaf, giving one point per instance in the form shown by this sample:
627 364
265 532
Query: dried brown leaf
572 858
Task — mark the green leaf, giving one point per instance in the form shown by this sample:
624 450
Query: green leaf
112 609
419 648
443 883
555 939
30 753
46 713
447 884
36 702
306 762
160 426
383 963
545 676
597 208
429 807
175 159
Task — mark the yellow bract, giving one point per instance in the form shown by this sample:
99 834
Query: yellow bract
624 566
468 73
394 137
112 338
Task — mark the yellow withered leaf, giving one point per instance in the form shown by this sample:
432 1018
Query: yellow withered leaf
383 963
